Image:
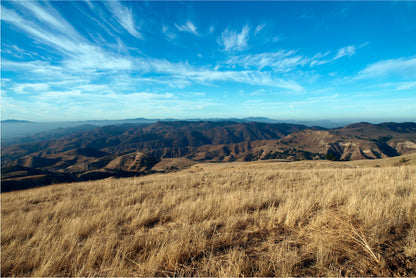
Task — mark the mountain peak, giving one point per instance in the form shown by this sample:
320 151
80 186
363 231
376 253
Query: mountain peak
14 121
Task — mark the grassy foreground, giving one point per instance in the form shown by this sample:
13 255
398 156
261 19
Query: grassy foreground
235 219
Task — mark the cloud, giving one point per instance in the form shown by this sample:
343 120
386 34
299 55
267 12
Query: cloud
90 4
168 33
61 41
199 94
17 52
187 27
320 56
95 88
167 81
204 75
345 51
394 86
407 85
24 88
64 39
50 17
78 105
281 61
44 69
84 65
403 67
276 38
81 95
246 77
259 28
179 75
145 96
234 41
98 60
186 74
79 53
258 92
124 17
342 52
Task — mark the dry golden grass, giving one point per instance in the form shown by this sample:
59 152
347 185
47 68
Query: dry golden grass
236 219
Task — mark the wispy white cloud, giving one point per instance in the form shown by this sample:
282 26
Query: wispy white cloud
79 53
168 33
267 104
319 56
204 75
35 31
146 96
282 61
83 96
84 59
85 63
276 38
246 77
49 16
258 92
403 67
90 4
17 52
346 51
259 28
176 82
124 17
407 85
84 105
233 40
24 88
286 60
187 27
95 88
388 87
98 60
197 94
179 75
33 67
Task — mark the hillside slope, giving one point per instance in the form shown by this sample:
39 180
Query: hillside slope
306 218
357 141
132 150
126 150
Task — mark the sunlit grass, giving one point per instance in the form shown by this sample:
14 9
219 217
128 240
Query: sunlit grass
251 219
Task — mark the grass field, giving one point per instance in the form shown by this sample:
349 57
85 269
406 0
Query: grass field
312 218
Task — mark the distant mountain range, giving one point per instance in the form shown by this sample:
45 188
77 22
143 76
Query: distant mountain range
90 152
19 131
14 121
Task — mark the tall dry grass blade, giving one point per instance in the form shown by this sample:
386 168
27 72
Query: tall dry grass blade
362 241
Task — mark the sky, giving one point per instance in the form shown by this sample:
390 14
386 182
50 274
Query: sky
96 60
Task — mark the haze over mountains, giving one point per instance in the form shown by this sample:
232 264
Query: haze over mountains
89 152
22 131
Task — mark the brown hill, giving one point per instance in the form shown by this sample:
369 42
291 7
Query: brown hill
253 219
356 141
128 150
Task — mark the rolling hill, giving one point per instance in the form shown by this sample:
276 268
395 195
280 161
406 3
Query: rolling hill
136 149
257 219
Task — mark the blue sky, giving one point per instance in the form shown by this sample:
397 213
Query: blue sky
85 60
